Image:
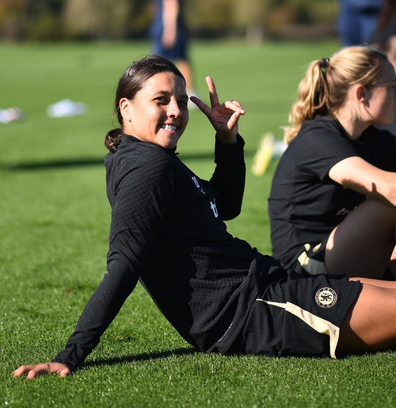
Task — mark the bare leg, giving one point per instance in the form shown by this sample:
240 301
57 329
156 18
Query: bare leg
370 325
376 282
364 243
185 69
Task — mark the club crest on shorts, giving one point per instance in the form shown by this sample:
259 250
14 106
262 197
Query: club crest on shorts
326 297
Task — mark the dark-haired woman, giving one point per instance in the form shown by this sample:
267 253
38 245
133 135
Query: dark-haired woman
167 232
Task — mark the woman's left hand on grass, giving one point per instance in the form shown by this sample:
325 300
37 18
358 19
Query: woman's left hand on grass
223 117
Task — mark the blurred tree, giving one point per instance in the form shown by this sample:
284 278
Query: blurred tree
33 19
44 19
251 17
108 19
12 14
266 18
102 19
210 17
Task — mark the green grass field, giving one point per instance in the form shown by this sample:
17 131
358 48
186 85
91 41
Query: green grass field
54 220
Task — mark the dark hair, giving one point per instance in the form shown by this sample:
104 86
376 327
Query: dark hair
131 83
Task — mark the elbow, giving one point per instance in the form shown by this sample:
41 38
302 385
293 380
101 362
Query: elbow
230 213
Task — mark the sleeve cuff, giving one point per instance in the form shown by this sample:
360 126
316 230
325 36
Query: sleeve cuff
232 152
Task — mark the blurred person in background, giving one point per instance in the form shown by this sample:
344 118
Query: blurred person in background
357 20
384 37
169 35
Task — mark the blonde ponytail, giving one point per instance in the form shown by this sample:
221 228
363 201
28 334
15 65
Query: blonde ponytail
327 82
311 100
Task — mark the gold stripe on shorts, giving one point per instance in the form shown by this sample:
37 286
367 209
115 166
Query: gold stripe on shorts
317 323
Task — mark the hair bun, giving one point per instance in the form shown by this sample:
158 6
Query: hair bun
113 139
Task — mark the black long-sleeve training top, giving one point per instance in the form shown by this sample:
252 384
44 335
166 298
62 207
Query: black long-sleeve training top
167 232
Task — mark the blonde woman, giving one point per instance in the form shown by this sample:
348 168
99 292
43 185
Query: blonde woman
333 197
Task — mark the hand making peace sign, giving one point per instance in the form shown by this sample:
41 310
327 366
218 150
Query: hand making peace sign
224 118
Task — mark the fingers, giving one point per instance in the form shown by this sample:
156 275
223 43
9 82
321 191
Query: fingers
235 106
32 374
21 370
232 105
201 105
223 117
214 98
233 120
33 371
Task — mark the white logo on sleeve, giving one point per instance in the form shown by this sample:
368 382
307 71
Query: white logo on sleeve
197 185
214 209
194 179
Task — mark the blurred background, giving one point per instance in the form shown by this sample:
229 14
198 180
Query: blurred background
253 20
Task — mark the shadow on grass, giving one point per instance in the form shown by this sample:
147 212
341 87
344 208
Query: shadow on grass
51 164
87 162
143 357
186 351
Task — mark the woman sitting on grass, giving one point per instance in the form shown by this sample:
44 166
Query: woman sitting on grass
167 231
333 196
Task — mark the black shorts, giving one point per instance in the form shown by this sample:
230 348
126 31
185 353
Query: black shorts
177 52
299 315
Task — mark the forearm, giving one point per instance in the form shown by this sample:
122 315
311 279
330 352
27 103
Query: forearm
358 175
229 177
170 13
169 20
99 312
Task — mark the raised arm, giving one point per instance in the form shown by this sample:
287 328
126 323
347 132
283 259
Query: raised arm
228 179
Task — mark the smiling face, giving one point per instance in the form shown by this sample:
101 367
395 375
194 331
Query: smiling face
382 97
158 113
